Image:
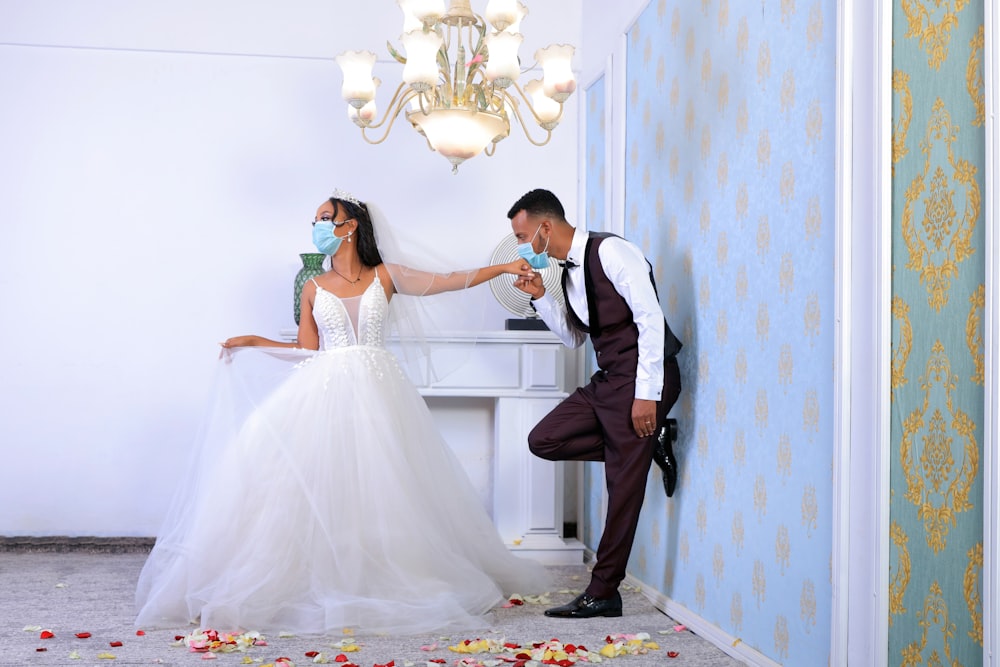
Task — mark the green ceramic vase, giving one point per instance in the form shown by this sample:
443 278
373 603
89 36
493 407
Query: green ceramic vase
312 266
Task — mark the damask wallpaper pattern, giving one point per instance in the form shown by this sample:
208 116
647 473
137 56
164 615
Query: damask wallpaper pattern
729 189
938 302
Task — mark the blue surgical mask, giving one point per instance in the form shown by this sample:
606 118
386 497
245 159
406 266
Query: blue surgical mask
537 260
325 240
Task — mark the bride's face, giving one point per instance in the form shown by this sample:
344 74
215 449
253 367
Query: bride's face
328 212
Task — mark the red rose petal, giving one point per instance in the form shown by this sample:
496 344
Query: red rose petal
312 654
672 654
177 638
83 635
115 644
46 634
140 633
283 659
340 658
40 650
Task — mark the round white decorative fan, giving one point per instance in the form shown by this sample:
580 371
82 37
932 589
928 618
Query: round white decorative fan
510 297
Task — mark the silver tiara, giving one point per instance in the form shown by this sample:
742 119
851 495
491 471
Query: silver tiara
345 196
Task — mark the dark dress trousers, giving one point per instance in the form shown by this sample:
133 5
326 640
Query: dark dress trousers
595 422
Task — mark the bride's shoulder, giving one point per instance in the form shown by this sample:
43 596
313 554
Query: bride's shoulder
383 274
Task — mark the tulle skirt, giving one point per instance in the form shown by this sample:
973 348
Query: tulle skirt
334 503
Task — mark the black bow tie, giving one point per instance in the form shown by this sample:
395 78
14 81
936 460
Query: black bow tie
568 264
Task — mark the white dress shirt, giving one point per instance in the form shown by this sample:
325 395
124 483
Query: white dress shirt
626 268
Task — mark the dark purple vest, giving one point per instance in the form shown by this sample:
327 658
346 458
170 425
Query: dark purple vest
612 330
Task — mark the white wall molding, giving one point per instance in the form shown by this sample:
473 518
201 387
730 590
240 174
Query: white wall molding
859 618
991 339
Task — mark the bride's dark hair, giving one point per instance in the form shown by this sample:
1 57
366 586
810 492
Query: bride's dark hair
365 234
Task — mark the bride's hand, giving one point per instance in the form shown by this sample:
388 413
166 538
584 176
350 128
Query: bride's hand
519 267
242 341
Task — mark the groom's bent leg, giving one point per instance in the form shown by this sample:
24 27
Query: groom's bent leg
570 432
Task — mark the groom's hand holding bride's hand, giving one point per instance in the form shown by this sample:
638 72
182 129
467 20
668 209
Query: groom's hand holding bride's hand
528 280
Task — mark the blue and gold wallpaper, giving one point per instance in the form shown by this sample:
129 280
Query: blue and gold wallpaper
729 189
938 302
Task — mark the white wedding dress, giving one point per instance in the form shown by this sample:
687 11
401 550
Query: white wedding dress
336 504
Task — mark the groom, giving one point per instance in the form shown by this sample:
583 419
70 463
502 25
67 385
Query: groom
619 416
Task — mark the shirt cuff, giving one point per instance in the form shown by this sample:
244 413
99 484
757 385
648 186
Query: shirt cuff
647 391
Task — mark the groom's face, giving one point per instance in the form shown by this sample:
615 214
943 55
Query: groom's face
530 229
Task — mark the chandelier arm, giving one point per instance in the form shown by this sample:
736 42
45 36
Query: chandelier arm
527 100
391 115
424 110
444 69
392 102
520 119
480 29
445 36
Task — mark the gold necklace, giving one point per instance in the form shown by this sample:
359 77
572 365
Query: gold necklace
353 282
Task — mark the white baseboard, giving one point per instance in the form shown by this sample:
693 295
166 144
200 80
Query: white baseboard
725 642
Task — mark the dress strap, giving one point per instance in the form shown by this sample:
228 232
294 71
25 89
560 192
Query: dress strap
313 281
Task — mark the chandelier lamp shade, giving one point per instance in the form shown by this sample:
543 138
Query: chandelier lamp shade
460 76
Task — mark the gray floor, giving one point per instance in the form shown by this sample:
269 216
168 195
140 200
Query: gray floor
91 591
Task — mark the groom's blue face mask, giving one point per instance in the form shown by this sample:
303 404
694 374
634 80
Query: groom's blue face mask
537 260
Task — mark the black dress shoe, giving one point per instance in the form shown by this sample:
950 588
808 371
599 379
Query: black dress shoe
663 454
587 606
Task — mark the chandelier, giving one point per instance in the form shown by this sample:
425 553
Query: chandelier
460 79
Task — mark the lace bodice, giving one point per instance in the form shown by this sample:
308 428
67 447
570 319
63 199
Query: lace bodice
333 317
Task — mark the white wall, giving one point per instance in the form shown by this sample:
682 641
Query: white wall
159 163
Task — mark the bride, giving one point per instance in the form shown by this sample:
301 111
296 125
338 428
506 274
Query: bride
336 503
